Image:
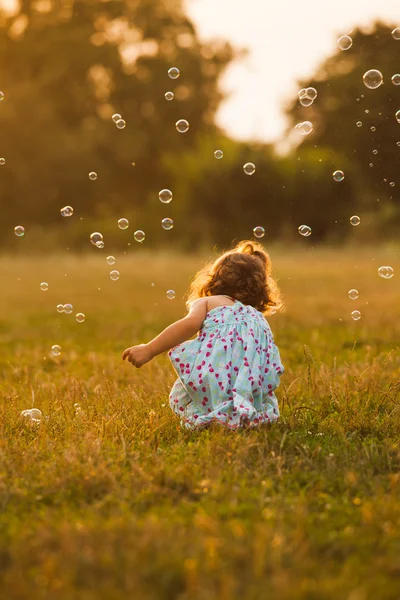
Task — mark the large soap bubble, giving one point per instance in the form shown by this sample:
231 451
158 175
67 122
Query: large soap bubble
373 79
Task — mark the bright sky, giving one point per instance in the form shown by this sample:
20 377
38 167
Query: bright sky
286 39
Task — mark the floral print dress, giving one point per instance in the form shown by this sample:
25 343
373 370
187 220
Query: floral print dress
229 372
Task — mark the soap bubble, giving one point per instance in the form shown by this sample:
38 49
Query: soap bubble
304 128
165 196
1 96
306 101
167 224
100 244
44 286
386 272
373 128
114 275
169 96
353 294
182 126
345 42
356 315
2 161
359 124
174 72
311 93
123 223
121 124
19 231
398 116
32 416
67 211
396 79
373 79
355 220
249 168
116 117
92 175
218 154
80 317
68 308
392 184
60 308
338 175
96 237
304 230
171 294
139 236
375 152
259 231
395 35
56 350
111 260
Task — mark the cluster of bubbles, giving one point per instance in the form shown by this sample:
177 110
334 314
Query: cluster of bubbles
33 416
304 230
78 409
167 224
123 223
386 272
307 96
345 42
182 126
249 168
68 309
338 175
259 231
67 211
97 239
119 121
304 128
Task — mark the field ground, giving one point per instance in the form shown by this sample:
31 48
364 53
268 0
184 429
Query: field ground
116 501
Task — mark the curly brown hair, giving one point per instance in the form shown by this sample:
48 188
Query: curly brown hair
243 273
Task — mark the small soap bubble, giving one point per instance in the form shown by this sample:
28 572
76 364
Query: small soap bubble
56 350
121 124
1 96
398 116
374 151
356 315
123 223
304 128
249 168
259 231
2 161
96 237
68 308
114 275
373 128
373 79
311 93
67 211
218 154
170 294
174 72
345 42
182 126
165 196
100 244
306 101
353 294
304 230
80 317
386 272
77 408
355 220
338 175
167 224
396 79
169 96
116 117
92 175
395 36
19 231
111 260
60 308
32 416
44 286
392 184
139 236
359 124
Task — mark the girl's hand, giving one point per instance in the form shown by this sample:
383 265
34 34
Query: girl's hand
138 355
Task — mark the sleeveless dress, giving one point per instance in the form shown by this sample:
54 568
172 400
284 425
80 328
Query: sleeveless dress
229 372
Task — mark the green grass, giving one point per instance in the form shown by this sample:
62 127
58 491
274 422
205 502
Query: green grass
116 501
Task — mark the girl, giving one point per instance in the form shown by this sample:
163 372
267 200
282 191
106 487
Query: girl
229 372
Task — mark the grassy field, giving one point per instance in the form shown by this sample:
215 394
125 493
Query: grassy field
112 500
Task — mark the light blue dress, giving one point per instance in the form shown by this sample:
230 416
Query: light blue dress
229 372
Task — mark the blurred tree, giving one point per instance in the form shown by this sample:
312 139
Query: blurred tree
359 122
68 67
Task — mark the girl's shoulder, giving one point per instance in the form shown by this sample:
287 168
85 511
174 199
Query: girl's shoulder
217 301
